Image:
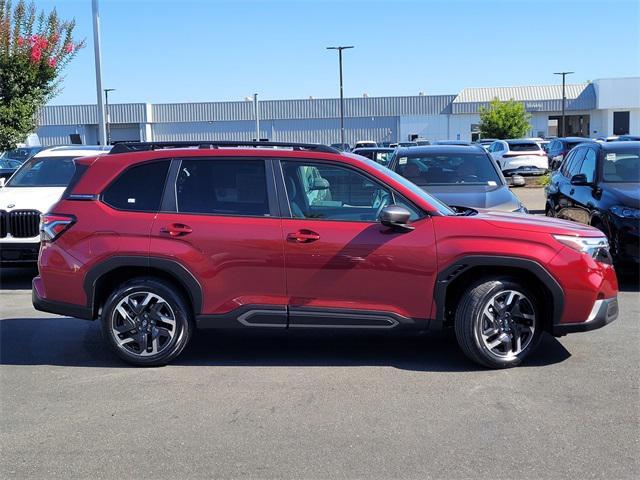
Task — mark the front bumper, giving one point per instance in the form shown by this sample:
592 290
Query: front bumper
18 254
604 312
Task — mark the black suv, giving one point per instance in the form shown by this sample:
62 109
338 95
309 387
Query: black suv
598 184
559 147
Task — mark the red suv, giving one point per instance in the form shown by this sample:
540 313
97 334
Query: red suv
156 240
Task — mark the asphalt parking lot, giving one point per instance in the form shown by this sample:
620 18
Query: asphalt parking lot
311 406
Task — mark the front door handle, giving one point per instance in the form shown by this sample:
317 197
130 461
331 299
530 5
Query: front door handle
572 191
303 236
177 230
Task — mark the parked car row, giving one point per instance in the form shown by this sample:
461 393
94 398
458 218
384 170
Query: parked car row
598 183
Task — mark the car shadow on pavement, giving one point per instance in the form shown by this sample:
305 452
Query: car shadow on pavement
76 343
17 278
629 281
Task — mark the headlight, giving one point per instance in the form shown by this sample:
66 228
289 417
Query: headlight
625 212
596 247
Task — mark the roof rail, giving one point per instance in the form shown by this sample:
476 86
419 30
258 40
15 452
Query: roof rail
123 147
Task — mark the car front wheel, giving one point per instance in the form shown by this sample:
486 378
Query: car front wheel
497 323
146 322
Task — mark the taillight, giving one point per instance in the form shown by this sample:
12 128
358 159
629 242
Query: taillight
52 225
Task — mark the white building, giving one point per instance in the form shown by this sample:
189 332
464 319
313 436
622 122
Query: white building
596 109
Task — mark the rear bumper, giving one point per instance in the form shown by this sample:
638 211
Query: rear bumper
19 254
603 313
67 309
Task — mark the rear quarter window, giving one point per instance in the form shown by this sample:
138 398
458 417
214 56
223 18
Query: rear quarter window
138 188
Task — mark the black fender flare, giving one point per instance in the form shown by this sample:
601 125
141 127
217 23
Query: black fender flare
462 264
174 268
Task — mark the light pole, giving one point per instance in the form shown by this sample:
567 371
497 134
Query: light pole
102 137
106 109
257 115
340 49
564 98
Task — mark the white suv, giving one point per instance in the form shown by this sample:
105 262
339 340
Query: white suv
36 186
521 157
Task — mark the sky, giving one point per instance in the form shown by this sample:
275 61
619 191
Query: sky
165 51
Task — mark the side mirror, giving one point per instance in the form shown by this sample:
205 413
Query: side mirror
319 183
580 179
2 182
396 217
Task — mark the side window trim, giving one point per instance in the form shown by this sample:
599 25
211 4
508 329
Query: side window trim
169 201
285 205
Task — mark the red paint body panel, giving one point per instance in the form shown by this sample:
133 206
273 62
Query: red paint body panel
582 279
98 233
363 266
237 261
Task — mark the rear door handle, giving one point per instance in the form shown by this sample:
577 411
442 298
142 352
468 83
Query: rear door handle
303 236
176 230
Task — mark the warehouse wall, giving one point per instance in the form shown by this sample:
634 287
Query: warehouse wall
317 130
431 127
59 134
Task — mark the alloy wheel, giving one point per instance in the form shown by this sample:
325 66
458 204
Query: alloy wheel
507 324
143 324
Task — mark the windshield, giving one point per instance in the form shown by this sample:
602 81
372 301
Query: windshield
437 204
21 154
44 172
524 147
623 167
449 169
6 163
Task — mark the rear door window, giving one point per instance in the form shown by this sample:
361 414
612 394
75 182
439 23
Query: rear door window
222 187
139 188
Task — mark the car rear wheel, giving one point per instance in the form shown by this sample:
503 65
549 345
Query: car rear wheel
146 322
497 323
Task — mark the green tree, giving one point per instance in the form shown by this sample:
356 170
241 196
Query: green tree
504 120
34 49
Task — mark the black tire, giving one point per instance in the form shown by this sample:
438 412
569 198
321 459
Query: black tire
470 314
170 302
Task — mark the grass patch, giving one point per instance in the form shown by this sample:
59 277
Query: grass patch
544 180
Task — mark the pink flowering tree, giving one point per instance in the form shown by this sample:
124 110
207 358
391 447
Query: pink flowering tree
34 49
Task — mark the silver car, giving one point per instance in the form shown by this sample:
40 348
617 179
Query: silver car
460 176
